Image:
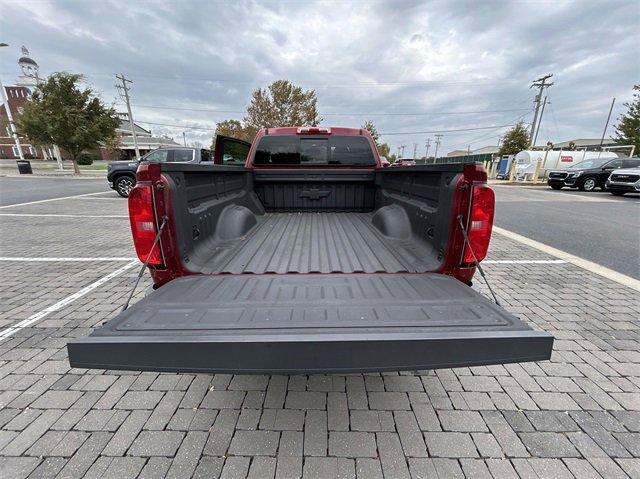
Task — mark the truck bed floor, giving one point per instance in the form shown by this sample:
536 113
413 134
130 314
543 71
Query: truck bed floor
327 242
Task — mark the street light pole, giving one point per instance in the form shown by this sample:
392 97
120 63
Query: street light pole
12 126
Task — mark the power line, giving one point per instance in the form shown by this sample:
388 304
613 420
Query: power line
484 137
444 131
389 134
310 82
176 126
210 110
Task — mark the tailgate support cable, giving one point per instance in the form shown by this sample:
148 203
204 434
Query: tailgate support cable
468 243
146 262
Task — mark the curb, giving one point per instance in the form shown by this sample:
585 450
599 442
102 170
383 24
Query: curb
69 176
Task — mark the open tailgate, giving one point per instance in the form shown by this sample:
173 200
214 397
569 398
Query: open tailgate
324 323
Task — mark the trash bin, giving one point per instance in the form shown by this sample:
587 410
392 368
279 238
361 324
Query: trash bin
24 167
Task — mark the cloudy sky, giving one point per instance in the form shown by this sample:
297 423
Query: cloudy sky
411 67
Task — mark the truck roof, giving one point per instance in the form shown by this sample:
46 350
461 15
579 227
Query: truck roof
330 130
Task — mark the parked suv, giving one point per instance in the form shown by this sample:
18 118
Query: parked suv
624 180
121 175
589 174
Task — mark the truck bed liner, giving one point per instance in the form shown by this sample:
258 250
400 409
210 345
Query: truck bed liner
326 242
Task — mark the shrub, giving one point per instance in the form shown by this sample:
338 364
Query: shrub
87 158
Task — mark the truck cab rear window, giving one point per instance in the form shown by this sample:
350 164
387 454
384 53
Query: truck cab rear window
311 150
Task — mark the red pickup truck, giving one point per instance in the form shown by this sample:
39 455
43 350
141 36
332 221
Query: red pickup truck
307 256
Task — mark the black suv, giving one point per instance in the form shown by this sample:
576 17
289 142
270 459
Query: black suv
121 175
589 174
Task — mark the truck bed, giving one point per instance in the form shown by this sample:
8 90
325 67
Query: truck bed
318 242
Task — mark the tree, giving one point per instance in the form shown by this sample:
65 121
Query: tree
371 128
63 113
628 127
515 140
282 104
383 148
234 129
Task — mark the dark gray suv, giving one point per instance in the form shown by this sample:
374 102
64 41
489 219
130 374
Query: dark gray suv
121 175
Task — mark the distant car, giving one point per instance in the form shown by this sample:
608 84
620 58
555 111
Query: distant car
121 175
624 180
589 174
402 162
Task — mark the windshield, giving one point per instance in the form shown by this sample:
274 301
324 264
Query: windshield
587 164
296 150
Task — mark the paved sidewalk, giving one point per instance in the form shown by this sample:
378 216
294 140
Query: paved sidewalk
575 416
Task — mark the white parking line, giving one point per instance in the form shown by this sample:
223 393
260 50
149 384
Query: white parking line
523 261
64 302
45 259
62 215
54 199
603 271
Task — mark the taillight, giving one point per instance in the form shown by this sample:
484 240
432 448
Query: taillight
143 226
480 223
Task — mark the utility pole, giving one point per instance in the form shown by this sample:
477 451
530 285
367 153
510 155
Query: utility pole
415 150
398 153
435 155
535 138
184 139
607 124
402 147
125 92
541 84
12 126
428 145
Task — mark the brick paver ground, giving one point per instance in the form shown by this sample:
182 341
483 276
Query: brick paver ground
575 416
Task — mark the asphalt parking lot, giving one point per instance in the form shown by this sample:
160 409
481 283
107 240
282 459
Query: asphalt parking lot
67 267
596 226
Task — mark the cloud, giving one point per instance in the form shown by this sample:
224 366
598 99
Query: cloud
382 59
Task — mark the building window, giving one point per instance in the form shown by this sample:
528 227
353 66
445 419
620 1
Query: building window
9 134
32 151
15 151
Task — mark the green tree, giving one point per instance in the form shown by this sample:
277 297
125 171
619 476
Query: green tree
515 140
282 104
628 127
63 113
383 148
371 128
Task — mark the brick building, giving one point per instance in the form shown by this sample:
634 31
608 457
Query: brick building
16 97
